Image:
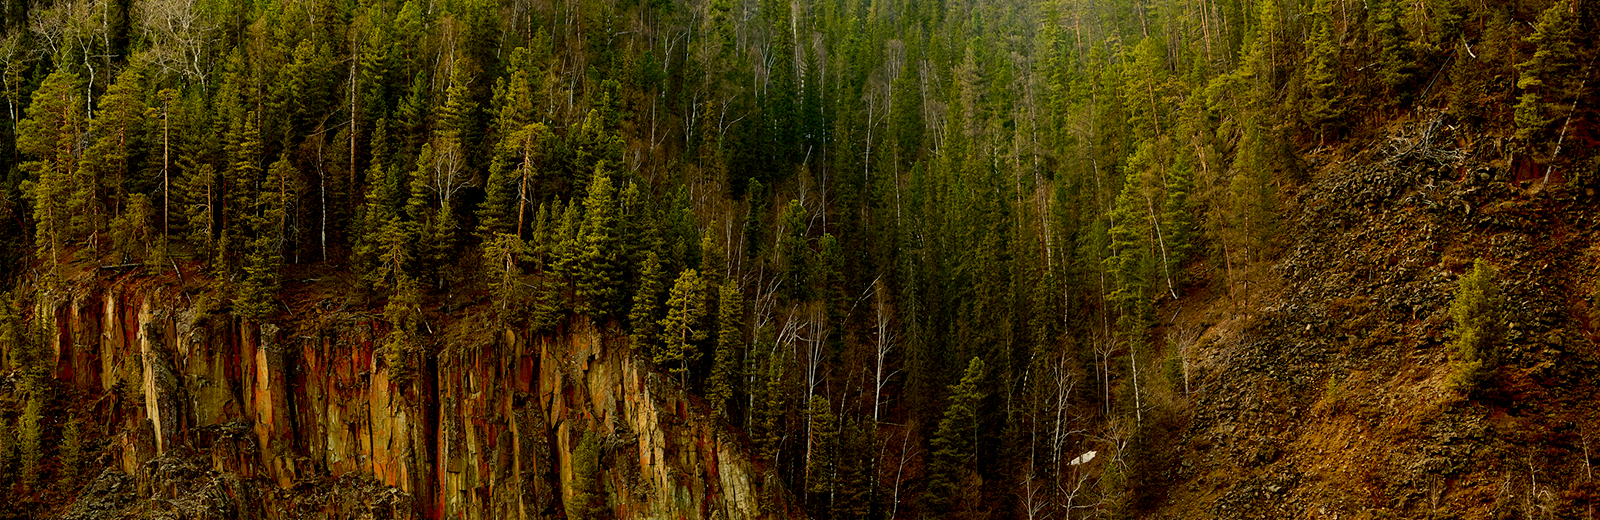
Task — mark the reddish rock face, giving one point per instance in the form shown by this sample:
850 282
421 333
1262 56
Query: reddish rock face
224 419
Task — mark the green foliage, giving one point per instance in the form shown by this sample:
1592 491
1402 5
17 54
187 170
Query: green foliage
853 489
1128 258
118 128
585 496
643 319
799 267
683 328
596 257
1396 59
1479 327
725 376
131 233
1320 71
822 445
71 455
769 402
49 135
404 343
31 438
501 255
268 224
8 448
1001 179
955 443
1546 76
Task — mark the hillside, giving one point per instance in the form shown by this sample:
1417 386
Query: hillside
759 259
1332 394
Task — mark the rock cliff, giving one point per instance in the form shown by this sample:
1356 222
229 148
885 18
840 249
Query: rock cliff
190 414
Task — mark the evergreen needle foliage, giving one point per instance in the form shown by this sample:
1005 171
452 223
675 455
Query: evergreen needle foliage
1479 327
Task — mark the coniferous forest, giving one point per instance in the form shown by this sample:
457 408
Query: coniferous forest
920 256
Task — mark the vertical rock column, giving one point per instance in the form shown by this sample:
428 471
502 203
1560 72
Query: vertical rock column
269 400
162 403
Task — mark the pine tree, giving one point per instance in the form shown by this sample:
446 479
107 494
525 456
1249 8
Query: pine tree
49 134
799 265
682 330
242 183
713 261
117 129
519 149
587 494
1396 60
381 207
132 236
71 455
1177 214
31 433
768 402
854 463
1129 251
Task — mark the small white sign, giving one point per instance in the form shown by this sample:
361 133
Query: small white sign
1082 459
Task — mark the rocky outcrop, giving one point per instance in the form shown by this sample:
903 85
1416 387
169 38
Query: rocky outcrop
207 417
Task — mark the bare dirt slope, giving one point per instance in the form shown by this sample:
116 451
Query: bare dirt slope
1326 396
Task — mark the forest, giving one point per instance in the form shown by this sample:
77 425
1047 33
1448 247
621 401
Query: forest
916 252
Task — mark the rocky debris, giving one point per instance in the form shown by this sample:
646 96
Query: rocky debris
1332 397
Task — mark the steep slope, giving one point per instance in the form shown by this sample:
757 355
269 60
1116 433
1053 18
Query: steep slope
1329 396
202 417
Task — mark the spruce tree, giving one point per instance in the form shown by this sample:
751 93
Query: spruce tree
821 445
643 320
268 225
1320 71
723 383
597 273
1545 76
951 472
